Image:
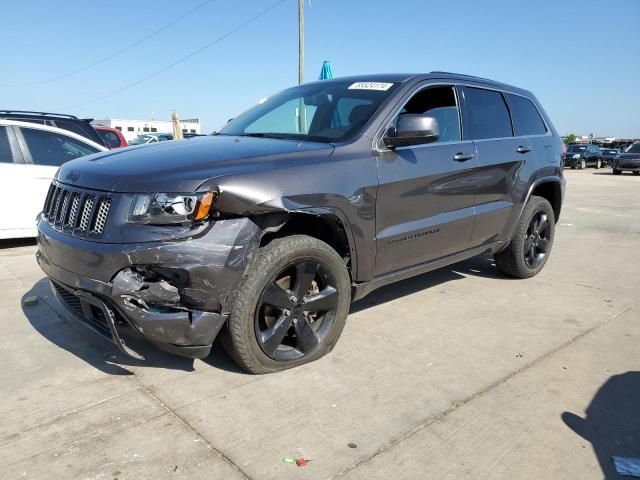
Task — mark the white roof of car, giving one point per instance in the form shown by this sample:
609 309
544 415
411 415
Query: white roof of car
61 131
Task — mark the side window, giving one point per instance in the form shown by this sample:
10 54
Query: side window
527 117
440 103
5 149
53 149
489 114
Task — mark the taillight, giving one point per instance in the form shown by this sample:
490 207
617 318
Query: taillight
564 149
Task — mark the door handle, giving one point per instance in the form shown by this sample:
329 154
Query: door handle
462 157
522 149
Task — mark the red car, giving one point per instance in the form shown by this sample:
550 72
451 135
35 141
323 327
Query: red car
112 137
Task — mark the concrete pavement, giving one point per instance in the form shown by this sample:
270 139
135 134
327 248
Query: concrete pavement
461 373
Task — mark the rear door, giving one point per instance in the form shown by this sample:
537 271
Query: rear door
528 122
501 156
424 208
44 151
13 175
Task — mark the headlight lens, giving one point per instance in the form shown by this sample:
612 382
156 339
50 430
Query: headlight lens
171 208
577 155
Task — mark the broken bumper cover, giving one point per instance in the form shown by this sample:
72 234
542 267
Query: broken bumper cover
173 294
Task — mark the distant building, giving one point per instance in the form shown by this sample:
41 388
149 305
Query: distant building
132 128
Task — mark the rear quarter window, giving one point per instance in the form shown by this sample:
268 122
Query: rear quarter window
5 149
489 116
527 119
53 149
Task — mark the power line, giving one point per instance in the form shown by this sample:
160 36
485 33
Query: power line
180 60
121 51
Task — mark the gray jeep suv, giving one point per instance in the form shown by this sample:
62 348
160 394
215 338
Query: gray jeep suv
266 231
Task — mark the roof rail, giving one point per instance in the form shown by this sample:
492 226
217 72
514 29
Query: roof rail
465 75
27 112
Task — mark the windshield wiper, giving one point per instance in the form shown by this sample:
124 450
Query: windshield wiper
267 135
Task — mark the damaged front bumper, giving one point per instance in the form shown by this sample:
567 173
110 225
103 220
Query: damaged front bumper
175 294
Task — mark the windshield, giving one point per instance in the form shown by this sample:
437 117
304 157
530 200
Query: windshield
326 112
635 148
140 139
576 148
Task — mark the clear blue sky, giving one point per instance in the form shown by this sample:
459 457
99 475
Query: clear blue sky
580 57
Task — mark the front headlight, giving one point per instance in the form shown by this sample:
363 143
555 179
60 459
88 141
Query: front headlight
171 208
576 156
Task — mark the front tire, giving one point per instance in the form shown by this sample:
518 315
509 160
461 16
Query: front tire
531 244
583 165
290 307
616 171
599 164
636 173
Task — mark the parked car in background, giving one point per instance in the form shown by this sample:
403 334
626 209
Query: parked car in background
609 155
629 161
30 155
79 126
269 229
112 137
583 156
151 138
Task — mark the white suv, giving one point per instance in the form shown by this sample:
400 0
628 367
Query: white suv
30 154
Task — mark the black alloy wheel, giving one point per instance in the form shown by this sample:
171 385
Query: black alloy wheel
536 241
296 310
531 243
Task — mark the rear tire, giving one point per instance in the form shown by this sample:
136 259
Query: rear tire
616 171
529 249
583 165
265 333
636 173
599 164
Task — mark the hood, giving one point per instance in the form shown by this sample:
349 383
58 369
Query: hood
181 166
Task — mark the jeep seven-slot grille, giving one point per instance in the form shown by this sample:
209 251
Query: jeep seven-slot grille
77 212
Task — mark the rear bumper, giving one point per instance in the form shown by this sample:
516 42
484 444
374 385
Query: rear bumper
173 294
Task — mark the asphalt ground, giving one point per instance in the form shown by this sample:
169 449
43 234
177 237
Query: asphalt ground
460 373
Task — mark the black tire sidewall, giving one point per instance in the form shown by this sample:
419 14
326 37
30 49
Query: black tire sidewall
242 343
511 261
535 206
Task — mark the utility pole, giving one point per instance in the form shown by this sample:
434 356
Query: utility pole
302 111
300 42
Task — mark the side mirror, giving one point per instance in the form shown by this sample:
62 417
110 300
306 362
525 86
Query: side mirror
413 129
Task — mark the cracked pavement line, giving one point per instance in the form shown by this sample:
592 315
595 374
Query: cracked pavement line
184 422
394 442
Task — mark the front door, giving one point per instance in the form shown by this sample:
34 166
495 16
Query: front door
425 203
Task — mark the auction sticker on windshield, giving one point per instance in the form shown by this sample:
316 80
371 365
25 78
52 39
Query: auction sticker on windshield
382 86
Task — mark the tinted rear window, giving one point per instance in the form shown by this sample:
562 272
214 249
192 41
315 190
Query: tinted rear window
526 116
489 114
110 138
